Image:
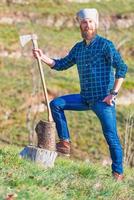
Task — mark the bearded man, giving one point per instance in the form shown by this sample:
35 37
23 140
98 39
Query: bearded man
101 72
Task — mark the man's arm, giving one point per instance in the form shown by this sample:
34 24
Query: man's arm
114 57
117 84
116 60
57 64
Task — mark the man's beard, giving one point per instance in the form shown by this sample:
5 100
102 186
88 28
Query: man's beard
89 34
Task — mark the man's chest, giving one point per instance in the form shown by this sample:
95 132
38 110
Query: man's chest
89 55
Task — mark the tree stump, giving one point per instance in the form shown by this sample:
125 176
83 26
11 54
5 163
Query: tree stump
44 153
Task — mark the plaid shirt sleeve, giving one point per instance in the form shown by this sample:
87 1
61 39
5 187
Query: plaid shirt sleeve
116 60
66 62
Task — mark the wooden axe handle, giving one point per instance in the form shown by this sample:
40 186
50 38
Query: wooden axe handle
35 46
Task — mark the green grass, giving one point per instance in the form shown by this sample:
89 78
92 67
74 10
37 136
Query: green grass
59 7
8 36
16 87
68 180
16 84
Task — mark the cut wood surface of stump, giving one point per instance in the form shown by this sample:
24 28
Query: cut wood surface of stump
41 156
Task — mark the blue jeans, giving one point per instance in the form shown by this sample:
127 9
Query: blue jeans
106 115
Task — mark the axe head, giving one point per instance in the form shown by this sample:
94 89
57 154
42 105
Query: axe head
24 39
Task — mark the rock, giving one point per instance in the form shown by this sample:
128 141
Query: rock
6 20
124 23
120 21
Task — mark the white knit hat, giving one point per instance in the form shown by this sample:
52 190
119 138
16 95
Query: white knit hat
88 13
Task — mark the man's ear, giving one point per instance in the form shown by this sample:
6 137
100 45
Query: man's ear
78 20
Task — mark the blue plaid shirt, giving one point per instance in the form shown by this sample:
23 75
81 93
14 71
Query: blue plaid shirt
95 63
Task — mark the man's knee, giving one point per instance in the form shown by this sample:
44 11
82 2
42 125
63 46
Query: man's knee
52 104
56 103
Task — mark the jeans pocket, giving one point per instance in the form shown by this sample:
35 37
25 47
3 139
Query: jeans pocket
113 104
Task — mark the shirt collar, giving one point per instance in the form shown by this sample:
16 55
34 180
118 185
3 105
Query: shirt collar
93 40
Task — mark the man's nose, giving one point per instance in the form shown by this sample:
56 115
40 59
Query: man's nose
88 24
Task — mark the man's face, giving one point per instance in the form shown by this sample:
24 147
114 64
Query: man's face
88 28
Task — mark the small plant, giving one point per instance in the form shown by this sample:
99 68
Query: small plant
129 141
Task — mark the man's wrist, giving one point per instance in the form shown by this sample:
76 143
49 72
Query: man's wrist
113 92
43 58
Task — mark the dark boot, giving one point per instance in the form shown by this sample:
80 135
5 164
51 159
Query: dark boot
118 177
63 147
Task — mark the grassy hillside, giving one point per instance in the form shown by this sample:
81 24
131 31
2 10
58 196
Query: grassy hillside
17 74
16 89
58 6
68 180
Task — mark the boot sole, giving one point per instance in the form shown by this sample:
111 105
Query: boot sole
63 154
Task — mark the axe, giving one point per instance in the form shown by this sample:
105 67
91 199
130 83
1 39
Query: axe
44 153
24 39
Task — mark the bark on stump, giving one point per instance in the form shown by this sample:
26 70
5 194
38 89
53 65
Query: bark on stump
46 135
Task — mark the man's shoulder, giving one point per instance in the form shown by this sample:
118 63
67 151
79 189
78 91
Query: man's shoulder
104 40
106 43
77 46
79 43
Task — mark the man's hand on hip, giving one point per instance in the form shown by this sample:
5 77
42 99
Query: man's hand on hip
110 99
